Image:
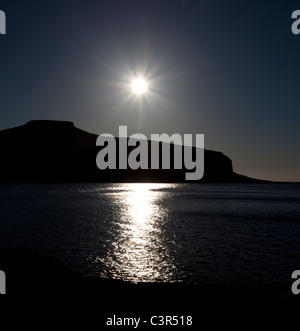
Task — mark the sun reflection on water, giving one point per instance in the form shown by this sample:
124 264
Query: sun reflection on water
138 251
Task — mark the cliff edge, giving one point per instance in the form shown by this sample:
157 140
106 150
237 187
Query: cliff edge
57 151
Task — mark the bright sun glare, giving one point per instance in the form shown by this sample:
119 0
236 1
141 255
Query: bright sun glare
139 86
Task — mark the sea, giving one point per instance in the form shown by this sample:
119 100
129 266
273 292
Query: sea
148 232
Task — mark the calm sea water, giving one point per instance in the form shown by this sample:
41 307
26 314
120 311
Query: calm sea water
208 233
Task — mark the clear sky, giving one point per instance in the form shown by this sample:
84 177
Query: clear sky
228 69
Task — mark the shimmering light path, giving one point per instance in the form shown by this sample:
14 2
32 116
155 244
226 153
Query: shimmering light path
137 251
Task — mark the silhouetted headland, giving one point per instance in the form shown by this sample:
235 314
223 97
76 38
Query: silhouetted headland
57 151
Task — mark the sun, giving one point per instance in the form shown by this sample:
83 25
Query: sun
139 86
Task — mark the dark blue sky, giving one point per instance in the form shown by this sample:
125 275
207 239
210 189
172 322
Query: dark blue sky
228 69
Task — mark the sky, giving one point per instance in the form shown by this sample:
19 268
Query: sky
227 69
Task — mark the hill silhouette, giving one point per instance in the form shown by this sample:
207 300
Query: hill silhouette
57 151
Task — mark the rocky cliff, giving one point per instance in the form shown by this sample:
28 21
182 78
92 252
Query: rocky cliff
57 151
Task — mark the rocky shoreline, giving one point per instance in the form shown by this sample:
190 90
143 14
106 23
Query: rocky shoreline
41 284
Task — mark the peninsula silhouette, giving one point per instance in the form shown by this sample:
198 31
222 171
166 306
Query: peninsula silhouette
57 151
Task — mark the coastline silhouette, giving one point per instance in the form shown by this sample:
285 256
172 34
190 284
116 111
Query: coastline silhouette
43 279
57 151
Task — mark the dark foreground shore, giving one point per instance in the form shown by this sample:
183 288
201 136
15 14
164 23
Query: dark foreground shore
42 293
